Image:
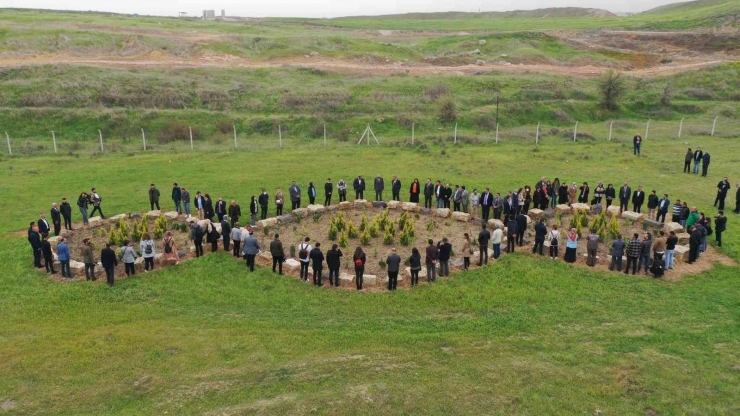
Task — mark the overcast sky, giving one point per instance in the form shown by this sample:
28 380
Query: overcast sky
323 8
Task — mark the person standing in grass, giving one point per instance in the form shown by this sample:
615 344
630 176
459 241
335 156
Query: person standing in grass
694 244
647 244
64 257
235 213
264 200
34 238
311 193
213 236
414 266
431 261
48 255
66 210
43 225
625 192
279 201
342 189
737 200
439 194
253 210
83 202
328 190
447 195
599 192
670 249
221 210
226 233
572 194
359 187
583 192
153 196
128 257
592 247
109 261
393 263
511 234
496 238
333 262
554 236
196 236
554 188
720 225
663 206
177 197
379 186
89 260
185 195
617 253
571 246
563 193
722 188
464 199
170 248
278 254
428 193
456 199
634 250
295 195
445 252
540 232
659 247
692 218
236 239
705 164
304 250
698 154
638 198
251 247
475 204
396 189
208 208
359 260
610 193
96 200
687 161
200 203
317 258
484 236
652 205
56 218
467 251
636 144
521 227
148 251
414 191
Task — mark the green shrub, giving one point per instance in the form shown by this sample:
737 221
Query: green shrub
352 230
365 237
343 242
333 231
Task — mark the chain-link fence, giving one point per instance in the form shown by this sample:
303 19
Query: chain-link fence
91 142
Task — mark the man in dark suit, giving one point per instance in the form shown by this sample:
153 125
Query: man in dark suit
226 232
264 200
638 198
540 231
34 238
153 196
486 202
359 187
663 206
317 259
428 193
43 225
379 186
66 210
396 189
235 212
722 188
56 218
521 227
625 192
498 206
220 209
705 164
510 206
328 190
439 194
295 195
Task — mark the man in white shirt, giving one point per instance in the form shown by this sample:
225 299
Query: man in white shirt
304 249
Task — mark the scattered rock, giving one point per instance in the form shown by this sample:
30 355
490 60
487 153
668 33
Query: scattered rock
118 217
457 262
480 62
77 267
648 223
95 221
410 206
633 216
362 203
400 278
425 211
612 210
476 52
672 226
482 42
316 209
682 254
300 212
285 219
54 240
172 215
442 212
422 272
394 204
345 205
580 207
683 238
292 265
134 215
270 222
536 213
314 54
562 208
380 204
461 216
154 214
494 223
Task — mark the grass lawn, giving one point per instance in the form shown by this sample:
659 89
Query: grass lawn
523 336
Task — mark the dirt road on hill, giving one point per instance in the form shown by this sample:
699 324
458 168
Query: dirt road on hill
349 66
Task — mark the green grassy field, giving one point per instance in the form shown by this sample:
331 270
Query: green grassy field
523 336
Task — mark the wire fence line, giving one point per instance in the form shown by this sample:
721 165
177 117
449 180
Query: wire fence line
613 130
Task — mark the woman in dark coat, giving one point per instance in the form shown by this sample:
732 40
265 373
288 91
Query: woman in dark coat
213 236
563 193
414 191
583 196
610 193
553 190
208 208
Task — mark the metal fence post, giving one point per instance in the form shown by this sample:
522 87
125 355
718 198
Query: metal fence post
191 137
143 138
412 132
610 131
496 133
647 128
10 151
280 136
54 138
100 133
714 124
455 137
680 127
234 136
575 131
537 136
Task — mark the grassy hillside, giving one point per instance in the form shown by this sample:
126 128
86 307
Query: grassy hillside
536 13
524 336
